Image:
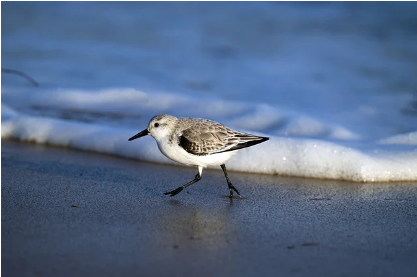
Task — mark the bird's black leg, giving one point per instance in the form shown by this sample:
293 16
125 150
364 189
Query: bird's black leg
231 187
178 190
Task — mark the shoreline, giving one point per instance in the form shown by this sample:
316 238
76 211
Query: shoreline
67 212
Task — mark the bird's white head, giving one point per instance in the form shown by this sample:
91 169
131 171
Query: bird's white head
159 127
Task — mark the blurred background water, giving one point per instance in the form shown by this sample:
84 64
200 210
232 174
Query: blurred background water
352 64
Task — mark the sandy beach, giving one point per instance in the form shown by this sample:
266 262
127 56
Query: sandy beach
72 213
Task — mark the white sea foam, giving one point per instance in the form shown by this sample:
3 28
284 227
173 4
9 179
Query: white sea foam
281 155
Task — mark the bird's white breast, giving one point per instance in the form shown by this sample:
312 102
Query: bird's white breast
176 153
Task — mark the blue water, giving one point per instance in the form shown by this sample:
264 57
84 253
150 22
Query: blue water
340 71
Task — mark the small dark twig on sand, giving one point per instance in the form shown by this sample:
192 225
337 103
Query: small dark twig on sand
21 74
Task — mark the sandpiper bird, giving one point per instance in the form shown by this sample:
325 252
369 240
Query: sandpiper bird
197 142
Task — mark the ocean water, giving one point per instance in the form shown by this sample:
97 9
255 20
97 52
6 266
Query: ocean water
332 84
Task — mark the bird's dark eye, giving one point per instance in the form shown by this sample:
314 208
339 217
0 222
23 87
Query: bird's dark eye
156 124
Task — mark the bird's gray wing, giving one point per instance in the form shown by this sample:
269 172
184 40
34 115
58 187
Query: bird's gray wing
209 137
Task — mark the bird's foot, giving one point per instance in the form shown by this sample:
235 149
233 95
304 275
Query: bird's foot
174 192
231 189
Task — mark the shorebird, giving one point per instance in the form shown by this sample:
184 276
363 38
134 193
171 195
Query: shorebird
197 142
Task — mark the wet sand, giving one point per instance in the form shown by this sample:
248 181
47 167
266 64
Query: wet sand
71 213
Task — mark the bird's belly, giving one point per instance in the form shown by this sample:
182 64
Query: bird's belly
178 154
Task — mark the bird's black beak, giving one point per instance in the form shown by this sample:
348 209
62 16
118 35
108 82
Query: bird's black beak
140 134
